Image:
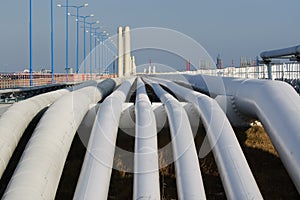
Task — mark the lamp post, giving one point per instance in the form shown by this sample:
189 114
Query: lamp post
98 36
30 42
52 45
77 31
95 45
90 26
104 37
67 35
84 39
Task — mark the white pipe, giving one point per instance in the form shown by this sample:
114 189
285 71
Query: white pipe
281 52
236 175
38 172
15 120
276 104
96 171
85 128
188 175
146 169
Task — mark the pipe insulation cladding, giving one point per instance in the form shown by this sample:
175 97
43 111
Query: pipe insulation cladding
96 170
38 172
276 104
281 53
188 176
146 168
235 173
16 119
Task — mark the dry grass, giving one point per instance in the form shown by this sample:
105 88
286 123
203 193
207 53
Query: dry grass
257 138
208 166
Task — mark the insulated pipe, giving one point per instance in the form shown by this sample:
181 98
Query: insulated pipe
127 57
236 175
96 170
120 52
281 52
188 175
146 169
276 104
38 172
15 120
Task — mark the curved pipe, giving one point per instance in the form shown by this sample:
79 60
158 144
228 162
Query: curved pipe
277 105
236 175
38 172
96 170
274 103
188 175
146 169
15 120
281 52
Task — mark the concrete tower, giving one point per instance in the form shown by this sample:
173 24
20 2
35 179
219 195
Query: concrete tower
127 57
133 66
120 52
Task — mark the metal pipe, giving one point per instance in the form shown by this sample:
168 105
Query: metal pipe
236 175
146 169
272 102
188 175
96 171
281 52
15 120
43 159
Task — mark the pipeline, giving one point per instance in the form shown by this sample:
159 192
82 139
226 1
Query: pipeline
146 169
38 172
15 120
278 53
272 102
187 169
96 171
235 173
17 117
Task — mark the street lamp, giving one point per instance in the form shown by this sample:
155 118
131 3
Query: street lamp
98 36
104 36
52 45
109 51
67 35
30 42
84 39
77 31
90 25
95 45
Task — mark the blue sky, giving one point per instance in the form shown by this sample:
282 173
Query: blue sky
232 28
